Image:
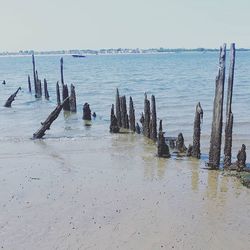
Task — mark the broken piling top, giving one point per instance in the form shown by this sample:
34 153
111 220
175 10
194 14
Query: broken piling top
216 131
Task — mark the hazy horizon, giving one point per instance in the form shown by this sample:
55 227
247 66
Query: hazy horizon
83 24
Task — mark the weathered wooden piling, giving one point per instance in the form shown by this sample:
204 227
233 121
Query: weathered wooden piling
229 114
146 123
113 128
58 98
29 83
131 114
39 89
46 92
196 151
118 108
216 131
180 144
124 114
241 158
72 99
153 121
61 63
65 95
162 147
34 73
11 99
86 112
47 123
137 128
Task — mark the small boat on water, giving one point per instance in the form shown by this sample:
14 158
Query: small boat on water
78 56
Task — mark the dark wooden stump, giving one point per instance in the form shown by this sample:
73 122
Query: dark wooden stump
124 114
72 99
47 123
34 73
58 98
241 158
196 151
29 83
46 92
118 108
137 128
113 128
86 112
65 95
146 123
61 63
162 147
11 99
216 132
229 114
153 123
131 114
180 145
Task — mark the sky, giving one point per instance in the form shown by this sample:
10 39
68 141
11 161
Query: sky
94 24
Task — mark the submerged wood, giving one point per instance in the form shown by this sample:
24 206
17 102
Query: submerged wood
58 98
196 151
153 121
162 147
216 131
61 63
46 92
65 95
118 108
11 99
229 114
47 123
131 114
124 114
86 112
146 123
113 128
180 145
29 83
72 99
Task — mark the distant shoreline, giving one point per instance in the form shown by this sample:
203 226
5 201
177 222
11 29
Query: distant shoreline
118 51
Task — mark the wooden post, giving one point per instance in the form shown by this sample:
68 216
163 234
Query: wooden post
39 88
86 112
137 128
46 92
113 128
65 95
34 73
62 79
11 99
241 159
58 98
29 83
153 123
196 151
118 108
180 145
216 132
146 124
131 114
124 114
72 99
229 114
47 123
162 147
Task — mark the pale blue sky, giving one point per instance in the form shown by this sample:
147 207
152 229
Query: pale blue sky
68 24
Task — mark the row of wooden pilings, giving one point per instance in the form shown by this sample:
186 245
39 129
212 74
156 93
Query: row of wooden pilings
120 119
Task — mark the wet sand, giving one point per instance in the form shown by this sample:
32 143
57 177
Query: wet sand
113 193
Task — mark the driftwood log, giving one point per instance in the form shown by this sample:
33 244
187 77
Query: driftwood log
11 99
72 99
46 92
131 115
229 114
216 131
47 123
58 98
113 128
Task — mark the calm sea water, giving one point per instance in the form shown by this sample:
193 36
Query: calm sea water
178 81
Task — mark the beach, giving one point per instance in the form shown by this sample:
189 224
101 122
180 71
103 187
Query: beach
113 193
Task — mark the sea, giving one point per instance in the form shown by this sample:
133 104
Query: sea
178 80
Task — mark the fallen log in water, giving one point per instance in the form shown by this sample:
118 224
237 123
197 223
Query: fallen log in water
11 99
47 123
216 131
229 114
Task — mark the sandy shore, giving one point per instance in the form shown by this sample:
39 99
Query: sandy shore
112 193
